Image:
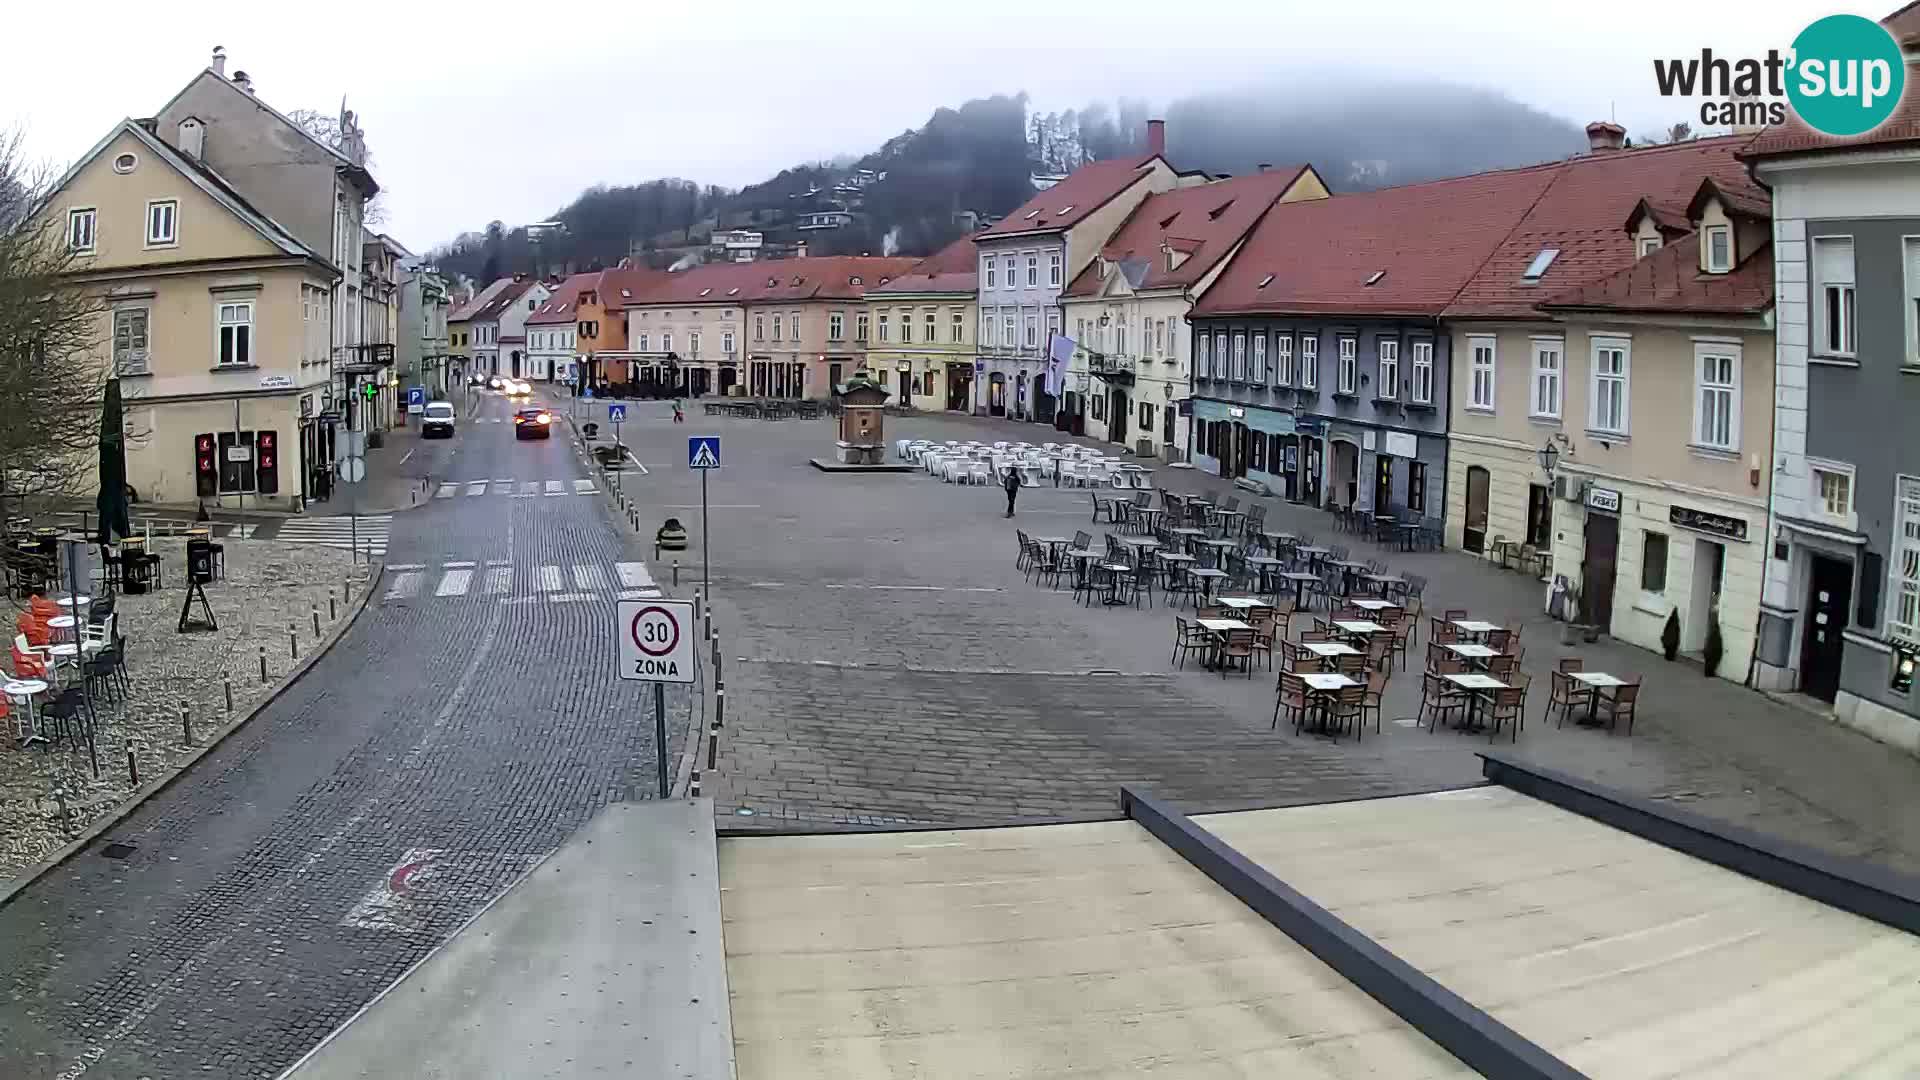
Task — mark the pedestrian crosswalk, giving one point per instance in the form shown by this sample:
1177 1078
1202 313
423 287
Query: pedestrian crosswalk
553 582
366 534
524 489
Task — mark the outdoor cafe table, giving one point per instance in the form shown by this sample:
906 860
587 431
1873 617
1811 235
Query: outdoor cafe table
1376 605
1321 684
1218 627
1277 540
1349 568
1187 533
74 601
1477 655
1312 552
1383 583
1174 561
1081 557
1149 515
1266 565
1359 627
1476 686
1242 603
1220 547
1145 543
1475 627
1329 650
1595 681
1209 579
1299 579
23 692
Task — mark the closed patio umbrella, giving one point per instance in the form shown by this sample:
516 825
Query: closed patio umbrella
112 500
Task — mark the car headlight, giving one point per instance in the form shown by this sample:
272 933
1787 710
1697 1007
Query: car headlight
545 419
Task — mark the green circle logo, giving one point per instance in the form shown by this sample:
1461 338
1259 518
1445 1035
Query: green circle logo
1847 75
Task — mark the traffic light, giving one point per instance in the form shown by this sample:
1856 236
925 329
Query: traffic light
206 466
266 450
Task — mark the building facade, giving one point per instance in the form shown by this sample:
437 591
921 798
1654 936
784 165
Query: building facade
423 343
1128 379
1841 616
921 330
551 335
1025 262
215 321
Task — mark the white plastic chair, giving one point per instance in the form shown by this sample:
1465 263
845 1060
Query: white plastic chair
1030 475
1142 480
980 472
900 448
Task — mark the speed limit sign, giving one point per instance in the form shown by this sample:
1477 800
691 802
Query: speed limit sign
656 640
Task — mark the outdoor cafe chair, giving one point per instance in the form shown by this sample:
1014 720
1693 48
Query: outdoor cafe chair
1082 539
1373 697
1509 705
1236 646
1292 700
1102 506
1437 698
1349 707
1188 637
1619 705
1026 550
1566 693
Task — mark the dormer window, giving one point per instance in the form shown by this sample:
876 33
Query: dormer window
773 283
855 280
704 292
1649 245
1031 214
797 279
1214 214
625 295
735 291
1719 243
1374 279
1067 209
1537 269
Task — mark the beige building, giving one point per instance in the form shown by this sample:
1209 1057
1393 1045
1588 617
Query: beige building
921 343
216 321
1653 389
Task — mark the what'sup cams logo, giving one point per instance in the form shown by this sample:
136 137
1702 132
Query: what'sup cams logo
1843 76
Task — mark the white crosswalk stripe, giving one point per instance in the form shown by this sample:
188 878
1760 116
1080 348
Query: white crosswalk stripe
633 575
531 487
584 487
454 583
447 491
589 577
499 580
339 532
554 487
550 580
476 487
405 584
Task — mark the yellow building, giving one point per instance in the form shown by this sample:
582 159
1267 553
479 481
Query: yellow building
216 320
921 345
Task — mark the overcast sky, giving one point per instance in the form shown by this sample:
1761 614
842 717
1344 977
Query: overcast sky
506 111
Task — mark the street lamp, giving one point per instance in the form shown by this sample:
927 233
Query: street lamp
906 372
1549 457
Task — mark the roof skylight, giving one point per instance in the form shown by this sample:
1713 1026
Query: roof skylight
1264 282
1374 278
1538 267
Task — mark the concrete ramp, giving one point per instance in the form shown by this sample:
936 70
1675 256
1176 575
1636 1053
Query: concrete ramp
605 960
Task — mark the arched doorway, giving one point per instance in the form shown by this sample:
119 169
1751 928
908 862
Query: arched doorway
1119 411
996 394
1345 473
960 387
516 363
726 378
1474 535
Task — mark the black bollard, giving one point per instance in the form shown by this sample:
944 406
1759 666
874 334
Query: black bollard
227 681
332 611
263 664
293 641
186 724
133 768
316 621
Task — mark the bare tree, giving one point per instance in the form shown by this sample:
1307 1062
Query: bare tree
52 378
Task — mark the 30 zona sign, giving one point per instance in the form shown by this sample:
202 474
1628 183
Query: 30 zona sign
656 640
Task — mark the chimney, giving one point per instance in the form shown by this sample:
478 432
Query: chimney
1266 166
193 138
219 64
1603 135
1156 136
241 80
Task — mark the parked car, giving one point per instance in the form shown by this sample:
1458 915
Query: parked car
533 423
517 387
437 421
493 382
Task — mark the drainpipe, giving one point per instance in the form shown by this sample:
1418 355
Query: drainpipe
1766 544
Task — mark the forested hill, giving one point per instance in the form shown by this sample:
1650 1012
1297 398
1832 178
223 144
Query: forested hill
908 195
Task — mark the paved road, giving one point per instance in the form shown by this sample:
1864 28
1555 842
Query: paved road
890 665
463 728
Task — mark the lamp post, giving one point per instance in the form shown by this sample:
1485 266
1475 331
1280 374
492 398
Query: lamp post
1549 457
905 368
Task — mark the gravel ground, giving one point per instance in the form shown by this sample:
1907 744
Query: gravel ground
267 587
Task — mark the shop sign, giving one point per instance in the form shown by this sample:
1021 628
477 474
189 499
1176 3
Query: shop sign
1686 517
1235 412
1402 444
1606 499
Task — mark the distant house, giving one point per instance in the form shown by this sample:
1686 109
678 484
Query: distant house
920 330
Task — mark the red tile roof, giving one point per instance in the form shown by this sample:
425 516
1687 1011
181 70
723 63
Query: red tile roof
1205 221
502 300
953 269
1904 25
1670 281
560 307
833 277
1581 212
1795 137
1316 256
481 299
1068 202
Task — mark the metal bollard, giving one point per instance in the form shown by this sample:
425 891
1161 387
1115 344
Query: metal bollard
316 621
719 707
676 571
333 612
228 681
186 724
713 745
133 768
263 664
697 600
293 641
66 812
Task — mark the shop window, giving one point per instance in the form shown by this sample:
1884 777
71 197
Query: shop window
1653 563
1417 486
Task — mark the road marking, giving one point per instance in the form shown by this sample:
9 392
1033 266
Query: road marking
584 487
569 597
633 575
499 562
409 454
530 487
589 577
456 566
730 506
550 579
507 483
554 487
406 566
476 487
499 580
454 583
404 585
446 491
640 594
910 588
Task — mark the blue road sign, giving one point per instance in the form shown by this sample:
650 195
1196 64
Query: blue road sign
703 452
416 395
616 413
587 394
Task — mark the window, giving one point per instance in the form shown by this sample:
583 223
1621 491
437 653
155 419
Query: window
1283 359
1719 249
1096 406
1033 269
1423 372
836 326
1833 297
1716 403
666 341
1160 337
1006 331
1006 269
1033 330
1653 563
125 163
886 327
1912 264
1545 400
906 327
958 327
931 325
693 342
1310 362
1417 486
759 328
80 230
1610 372
1240 356
640 343
1053 269
1349 372
860 327
776 328
236 334
993 274
1831 488
1537 269
1259 371
1222 368
1120 338
1389 386
162 217
726 342
130 341
1649 245
1203 361
1480 373
986 328
1903 614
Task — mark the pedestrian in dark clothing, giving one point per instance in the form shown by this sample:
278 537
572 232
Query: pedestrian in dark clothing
1013 488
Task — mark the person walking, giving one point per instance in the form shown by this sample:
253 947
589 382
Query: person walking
678 416
1013 488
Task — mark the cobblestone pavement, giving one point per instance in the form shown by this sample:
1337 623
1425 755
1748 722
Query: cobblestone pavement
450 739
265 589
889 664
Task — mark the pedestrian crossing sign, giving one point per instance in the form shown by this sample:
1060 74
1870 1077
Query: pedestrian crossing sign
616 413
703 452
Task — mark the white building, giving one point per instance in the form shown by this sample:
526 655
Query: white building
552 345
